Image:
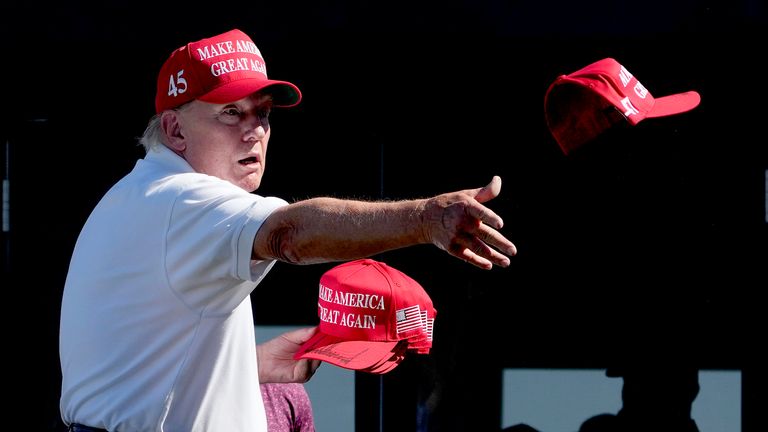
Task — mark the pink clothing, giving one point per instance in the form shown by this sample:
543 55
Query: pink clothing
288 407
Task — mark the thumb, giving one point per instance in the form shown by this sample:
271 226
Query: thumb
301 335
489 191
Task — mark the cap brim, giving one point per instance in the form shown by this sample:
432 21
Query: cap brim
674 104
284 94
347 354
386 365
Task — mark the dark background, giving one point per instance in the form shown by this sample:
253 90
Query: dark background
646 248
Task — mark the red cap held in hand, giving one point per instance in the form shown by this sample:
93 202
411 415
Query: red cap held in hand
371 314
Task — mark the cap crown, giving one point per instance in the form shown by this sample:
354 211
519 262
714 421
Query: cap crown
369 300
220 69
581 105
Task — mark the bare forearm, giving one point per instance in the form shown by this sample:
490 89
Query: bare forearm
329 229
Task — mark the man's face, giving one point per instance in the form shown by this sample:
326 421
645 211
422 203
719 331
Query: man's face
228 141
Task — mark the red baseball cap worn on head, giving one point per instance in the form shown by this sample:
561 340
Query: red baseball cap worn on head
581 105
370 314
220 69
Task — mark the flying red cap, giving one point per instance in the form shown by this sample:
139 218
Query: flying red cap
581 105
370 313
220 69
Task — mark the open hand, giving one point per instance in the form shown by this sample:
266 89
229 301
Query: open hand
460 224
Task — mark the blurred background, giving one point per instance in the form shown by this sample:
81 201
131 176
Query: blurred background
647 248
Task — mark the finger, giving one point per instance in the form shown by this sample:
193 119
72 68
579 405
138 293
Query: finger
485 215
489 191
304 334
304 370
484 255
495 239
476 252
474 259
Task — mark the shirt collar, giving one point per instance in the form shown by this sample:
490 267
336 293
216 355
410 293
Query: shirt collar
164 156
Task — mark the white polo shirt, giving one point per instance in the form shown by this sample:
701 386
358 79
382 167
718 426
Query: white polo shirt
156 328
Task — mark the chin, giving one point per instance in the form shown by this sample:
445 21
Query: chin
249 182
250 185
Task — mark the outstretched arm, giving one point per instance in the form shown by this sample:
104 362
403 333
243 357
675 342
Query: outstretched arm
329 229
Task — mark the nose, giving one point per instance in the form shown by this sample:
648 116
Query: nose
256 127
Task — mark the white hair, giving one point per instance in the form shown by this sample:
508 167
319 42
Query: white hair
153 135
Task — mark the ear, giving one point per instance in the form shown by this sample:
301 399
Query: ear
170 123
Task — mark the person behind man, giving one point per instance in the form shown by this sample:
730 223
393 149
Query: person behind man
288 407
157 328
654 397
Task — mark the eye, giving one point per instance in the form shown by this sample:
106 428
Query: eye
230 114
230 111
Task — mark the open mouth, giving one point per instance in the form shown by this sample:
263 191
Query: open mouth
248 161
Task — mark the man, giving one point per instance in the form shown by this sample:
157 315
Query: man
156 321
